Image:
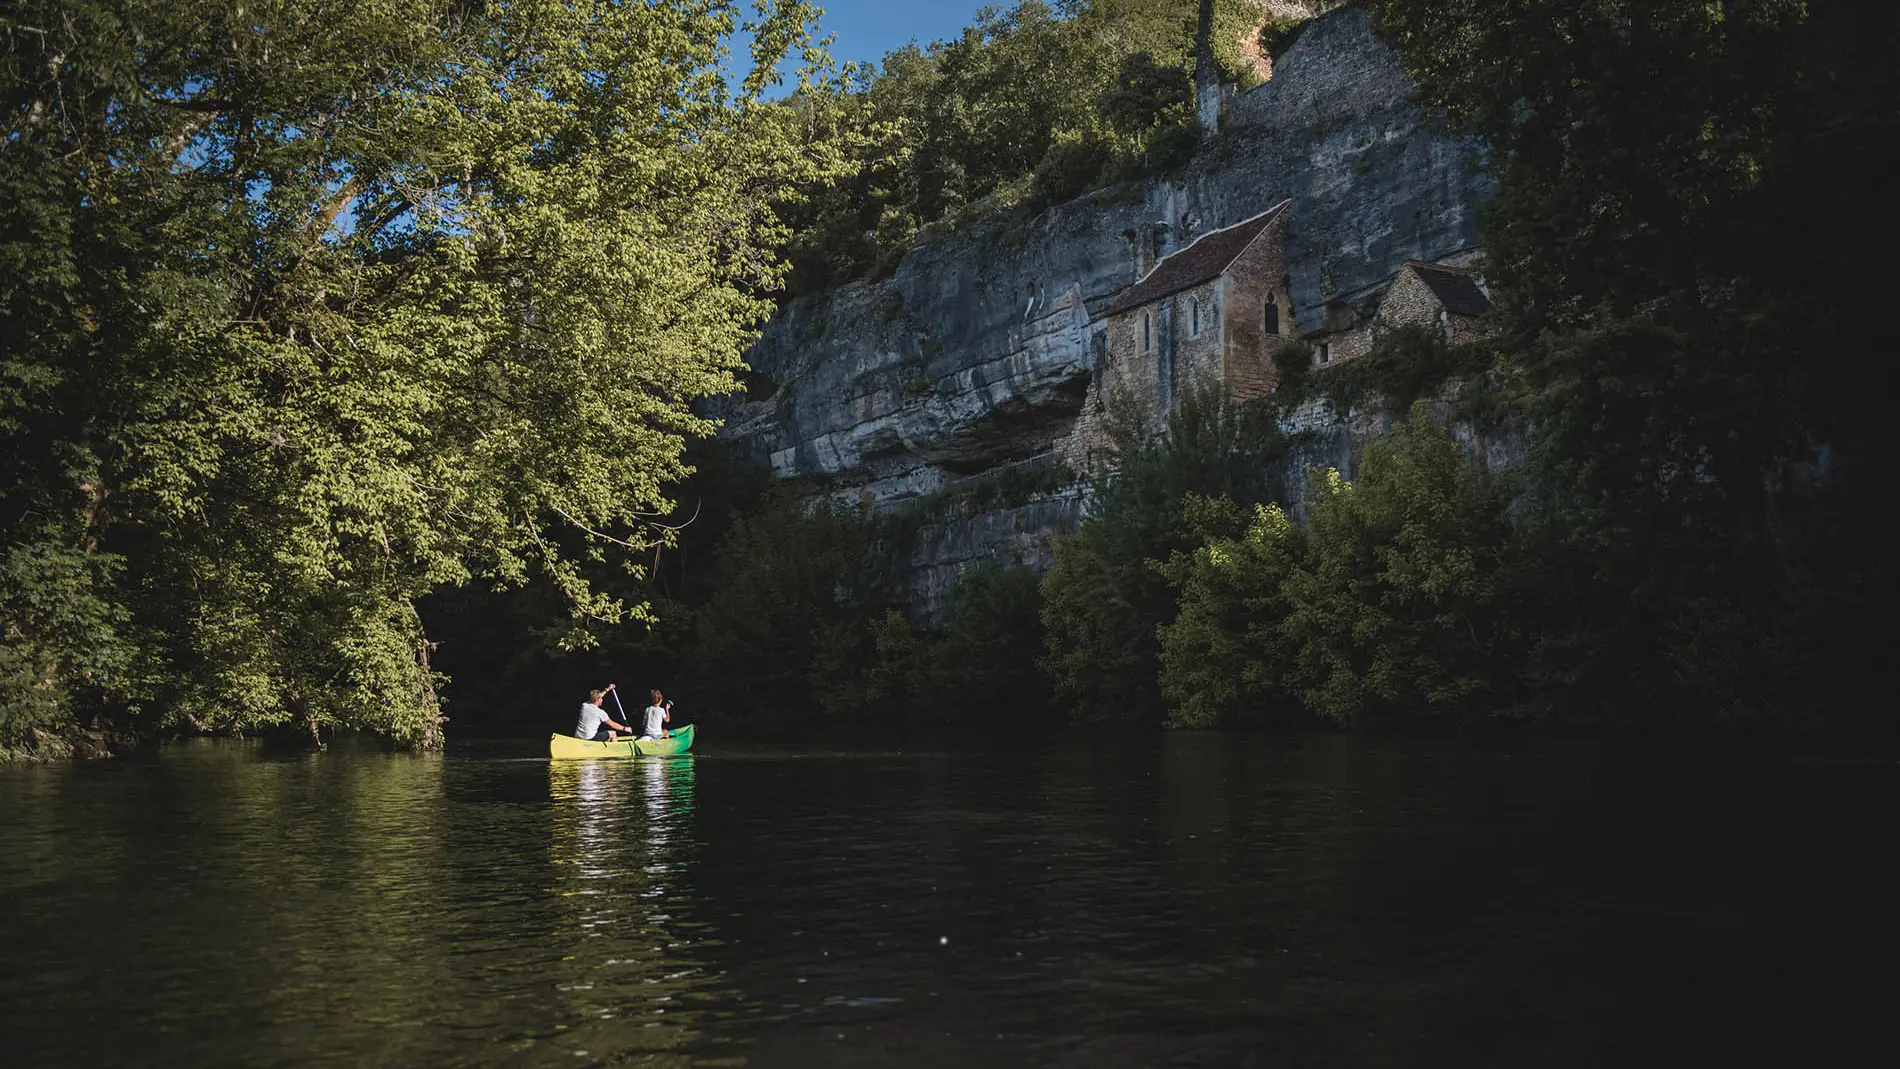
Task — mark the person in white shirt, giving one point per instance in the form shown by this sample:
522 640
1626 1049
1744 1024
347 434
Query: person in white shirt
593 716
656 714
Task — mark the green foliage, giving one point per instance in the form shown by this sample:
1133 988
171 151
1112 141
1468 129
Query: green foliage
1284 24
1393 616
1293 372
1144 93
1006 487
1405 364
984 668
1103 602
1223 659
1389 610
1628 138
799 608
64 642
1074 163
308 313
1682 188
1035 99
797 623
1279 32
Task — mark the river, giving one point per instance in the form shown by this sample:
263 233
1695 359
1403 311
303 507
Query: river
1198 900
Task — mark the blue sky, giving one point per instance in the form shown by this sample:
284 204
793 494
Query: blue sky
866 29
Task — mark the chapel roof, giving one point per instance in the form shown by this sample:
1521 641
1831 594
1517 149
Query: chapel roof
1207 258
1455 289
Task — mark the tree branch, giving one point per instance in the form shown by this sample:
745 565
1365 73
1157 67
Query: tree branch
602 535
327 218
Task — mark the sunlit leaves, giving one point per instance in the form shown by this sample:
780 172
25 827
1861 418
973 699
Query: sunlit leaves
312 310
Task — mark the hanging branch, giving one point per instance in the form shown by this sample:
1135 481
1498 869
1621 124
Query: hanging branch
603 535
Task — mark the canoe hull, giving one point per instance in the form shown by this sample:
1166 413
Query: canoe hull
569 748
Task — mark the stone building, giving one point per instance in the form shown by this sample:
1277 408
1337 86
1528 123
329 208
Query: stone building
1213 311
1421 294
1217 311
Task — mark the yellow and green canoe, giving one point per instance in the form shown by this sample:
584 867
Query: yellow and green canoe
569 748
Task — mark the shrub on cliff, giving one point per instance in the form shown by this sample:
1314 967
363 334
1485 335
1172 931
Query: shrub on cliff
1404 365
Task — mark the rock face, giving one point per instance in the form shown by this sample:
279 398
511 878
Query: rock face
977 353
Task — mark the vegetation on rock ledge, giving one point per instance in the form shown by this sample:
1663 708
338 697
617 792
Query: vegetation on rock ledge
1035 102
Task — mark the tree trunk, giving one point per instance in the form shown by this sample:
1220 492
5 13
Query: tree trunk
426 696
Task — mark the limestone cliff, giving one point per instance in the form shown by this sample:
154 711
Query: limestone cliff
976 355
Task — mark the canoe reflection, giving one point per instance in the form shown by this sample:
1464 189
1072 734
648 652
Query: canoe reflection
623 851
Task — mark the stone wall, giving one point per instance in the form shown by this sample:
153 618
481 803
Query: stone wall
1247 348
1149 377
1410 302
890 389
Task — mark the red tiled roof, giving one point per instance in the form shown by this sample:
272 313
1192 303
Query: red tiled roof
1210 255
1455 289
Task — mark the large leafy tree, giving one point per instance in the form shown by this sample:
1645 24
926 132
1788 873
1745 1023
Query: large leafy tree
311 309
1687 190
1388 609
1393 616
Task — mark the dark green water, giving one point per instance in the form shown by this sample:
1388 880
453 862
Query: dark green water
1201 901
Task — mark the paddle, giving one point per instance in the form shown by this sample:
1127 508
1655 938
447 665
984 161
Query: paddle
622 710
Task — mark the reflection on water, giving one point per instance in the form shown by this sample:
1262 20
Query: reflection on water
357 909
1199 901
621 850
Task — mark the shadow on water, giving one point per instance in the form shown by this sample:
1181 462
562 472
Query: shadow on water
1192 900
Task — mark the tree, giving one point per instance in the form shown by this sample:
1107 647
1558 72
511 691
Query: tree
309 312
985 661
1223 658
1684 189
1144 92
1103 601
1392 616
798 614
1034 103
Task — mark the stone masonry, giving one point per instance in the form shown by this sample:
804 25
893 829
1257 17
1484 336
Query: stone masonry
1199 316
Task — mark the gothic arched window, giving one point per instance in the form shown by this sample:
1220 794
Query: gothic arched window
1271 318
